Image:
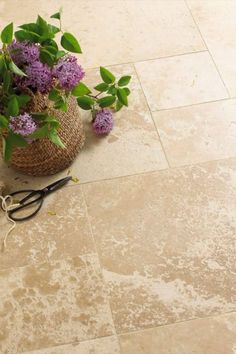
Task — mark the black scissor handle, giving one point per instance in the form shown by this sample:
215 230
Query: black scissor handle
23 204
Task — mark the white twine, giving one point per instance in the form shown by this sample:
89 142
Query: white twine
7 205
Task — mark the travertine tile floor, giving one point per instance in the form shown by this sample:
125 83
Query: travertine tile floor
140 257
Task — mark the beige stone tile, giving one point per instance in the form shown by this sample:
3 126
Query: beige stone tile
216 21
107 345
46 237
166 241
216 335
113 32
198 133
52 303
180 81
132 147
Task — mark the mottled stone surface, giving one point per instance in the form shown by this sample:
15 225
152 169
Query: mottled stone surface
167 243
216 21
129 32
52 303
182 80
198 133
108 345
216 335
164 236
59 230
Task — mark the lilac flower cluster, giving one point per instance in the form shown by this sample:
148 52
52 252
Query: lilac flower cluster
68 72
23 124
103 122
23 52
39 77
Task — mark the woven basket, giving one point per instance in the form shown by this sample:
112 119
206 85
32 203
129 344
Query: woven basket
42 157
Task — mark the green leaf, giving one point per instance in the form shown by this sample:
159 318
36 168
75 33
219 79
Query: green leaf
118 106
124 80
60 54
80 90
23 35
31 27
41 132
42 25
39 115
17 140
7 148
9 142
53 29
112 90
122 96
2 64
3 121
13 107
54 137
57 15
106 101
7 34
51 49
49 42
61 104
70 43
127 90
106 75
46 57
53 122
102 87
6 80
23 99
53 95
85 102
14 68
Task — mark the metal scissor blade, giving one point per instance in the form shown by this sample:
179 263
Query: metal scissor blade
56 185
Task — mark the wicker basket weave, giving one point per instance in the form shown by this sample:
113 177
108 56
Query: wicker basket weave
42 157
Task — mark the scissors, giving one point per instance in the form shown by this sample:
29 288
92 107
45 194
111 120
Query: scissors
34 197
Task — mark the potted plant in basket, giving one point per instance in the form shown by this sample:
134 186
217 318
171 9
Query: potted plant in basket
40 88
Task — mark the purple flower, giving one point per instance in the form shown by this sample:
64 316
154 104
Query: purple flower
23 52
23 124
39 77
68 72
103 122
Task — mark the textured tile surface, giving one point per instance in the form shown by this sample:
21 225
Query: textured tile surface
198 133
180 81
49 236
167 243
215 335
124 34
54 303
107 345
216 21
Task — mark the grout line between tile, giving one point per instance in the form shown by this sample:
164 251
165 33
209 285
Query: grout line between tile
100 264
69 343
161 143
144 60
201 35
171 168
193 104
178 322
